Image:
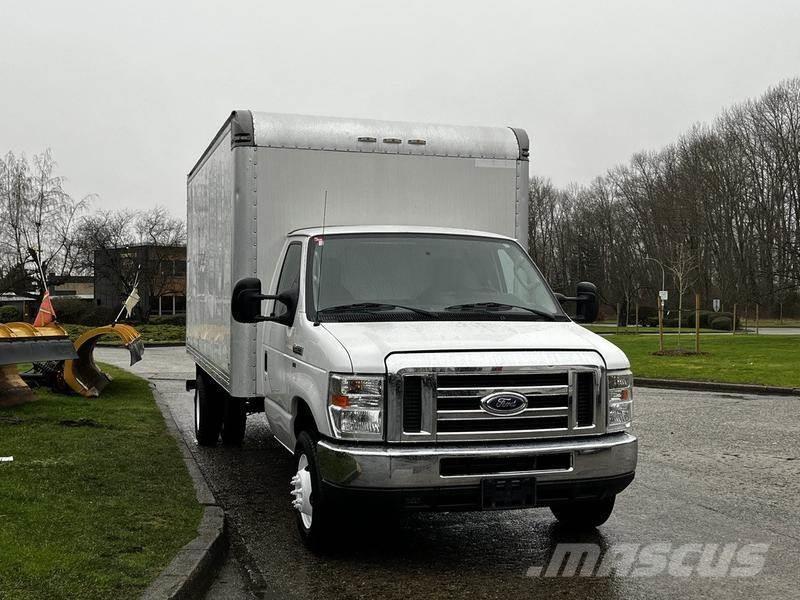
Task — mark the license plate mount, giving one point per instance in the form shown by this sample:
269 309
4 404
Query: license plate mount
513 492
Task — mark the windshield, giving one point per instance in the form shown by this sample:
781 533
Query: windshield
424 276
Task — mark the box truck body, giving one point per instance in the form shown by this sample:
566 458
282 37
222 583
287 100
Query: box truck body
265 175
288 213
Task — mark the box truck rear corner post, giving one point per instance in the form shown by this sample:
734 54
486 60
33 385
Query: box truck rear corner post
366 284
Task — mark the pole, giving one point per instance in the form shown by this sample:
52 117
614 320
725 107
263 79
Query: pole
697 323
780 318
660 324
637 316
756 319
618 316
733 325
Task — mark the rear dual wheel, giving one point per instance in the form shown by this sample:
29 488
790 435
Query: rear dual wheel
216 412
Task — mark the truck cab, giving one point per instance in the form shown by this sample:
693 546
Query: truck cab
402 359
434 368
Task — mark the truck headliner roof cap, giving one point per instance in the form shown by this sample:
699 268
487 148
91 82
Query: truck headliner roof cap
274 130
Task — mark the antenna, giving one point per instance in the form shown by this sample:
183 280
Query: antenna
321 252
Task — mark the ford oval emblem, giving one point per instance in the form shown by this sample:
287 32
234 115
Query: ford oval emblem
504 403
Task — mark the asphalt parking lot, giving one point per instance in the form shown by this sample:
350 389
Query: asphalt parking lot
713 469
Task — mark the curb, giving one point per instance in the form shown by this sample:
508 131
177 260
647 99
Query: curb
193 567
711 386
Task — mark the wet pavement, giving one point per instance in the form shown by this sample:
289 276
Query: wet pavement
713 469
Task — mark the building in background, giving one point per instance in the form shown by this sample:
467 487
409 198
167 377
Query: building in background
25 306
72 286
162 278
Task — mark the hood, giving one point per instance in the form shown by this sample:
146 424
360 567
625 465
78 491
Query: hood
368 344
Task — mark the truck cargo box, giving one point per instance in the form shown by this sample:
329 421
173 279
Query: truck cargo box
265 175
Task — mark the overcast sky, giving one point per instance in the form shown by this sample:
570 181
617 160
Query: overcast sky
129 94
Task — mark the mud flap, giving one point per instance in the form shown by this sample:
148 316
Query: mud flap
82 374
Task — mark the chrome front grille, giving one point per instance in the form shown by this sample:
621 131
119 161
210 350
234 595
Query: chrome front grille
444 404
458 403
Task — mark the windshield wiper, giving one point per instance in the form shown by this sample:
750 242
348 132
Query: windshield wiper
498 307
374 307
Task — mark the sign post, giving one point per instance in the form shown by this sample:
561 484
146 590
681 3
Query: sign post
756 319
697 323
663 295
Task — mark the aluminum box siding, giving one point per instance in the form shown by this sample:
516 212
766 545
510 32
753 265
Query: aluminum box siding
378 189
523 198
221 250
208 257
243 264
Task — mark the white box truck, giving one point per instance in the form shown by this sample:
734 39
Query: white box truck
366 284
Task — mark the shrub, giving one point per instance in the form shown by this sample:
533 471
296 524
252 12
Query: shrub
714 316
722 323
168 320
8 314
648 315
82 312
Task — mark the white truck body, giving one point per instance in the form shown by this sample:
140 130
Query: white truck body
245 196
274 189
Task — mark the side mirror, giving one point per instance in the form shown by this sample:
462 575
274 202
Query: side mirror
585 299
246 303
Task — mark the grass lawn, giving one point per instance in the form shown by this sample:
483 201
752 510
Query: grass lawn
751 322
97 500
632 330
766 360
150 333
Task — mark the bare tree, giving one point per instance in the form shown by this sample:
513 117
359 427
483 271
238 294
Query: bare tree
723 199
683 266
35 213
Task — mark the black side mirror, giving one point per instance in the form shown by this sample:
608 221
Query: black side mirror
588 307
246 303
585 298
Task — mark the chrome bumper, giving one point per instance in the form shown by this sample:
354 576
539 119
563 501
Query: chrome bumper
396 467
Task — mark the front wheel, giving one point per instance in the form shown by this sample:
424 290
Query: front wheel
314 518
584 514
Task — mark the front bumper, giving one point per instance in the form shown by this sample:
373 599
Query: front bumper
582 462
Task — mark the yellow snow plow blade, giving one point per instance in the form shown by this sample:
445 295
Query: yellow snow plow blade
82 375
24 343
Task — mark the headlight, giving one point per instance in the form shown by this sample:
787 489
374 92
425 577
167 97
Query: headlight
355 405
620 400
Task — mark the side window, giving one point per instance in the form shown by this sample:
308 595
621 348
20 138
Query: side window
290 272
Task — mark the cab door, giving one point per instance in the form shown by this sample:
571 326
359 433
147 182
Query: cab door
278 349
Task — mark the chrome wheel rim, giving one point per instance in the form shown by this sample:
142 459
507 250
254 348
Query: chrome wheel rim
301 492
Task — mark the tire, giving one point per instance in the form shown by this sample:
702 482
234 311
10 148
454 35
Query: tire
234 421
314 517
207 410
584 514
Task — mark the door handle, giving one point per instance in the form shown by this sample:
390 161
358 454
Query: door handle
297 350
